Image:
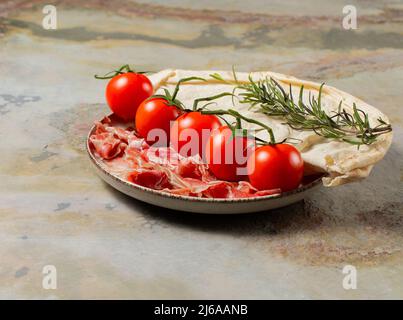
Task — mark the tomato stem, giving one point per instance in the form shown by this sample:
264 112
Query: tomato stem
238 123
182 81
123 69
268 129
211 98
171 98
240 117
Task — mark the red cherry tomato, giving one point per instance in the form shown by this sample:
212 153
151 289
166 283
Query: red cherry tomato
227 155
125 92
276 166
189 133
154 115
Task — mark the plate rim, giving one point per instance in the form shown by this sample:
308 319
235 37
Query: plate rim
98 164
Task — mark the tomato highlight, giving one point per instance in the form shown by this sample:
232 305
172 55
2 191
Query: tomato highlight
227 154
155 114
275 166
191 130
125 92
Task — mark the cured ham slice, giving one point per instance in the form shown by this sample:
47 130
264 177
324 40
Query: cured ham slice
153 179
107 146
131 158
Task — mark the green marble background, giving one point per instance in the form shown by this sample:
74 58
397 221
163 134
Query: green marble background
54 210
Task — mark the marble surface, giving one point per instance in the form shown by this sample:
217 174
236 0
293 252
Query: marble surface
54 210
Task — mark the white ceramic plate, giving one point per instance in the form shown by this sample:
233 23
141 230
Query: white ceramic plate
194 204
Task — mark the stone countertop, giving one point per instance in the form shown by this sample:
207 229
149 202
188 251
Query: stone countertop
55 211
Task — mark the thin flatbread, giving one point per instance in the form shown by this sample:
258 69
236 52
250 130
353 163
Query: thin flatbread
342 162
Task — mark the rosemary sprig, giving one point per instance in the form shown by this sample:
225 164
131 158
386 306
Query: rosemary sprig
272 100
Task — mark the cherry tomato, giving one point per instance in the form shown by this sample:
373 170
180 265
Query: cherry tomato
125 92
275 166
155 114
227 154
189 133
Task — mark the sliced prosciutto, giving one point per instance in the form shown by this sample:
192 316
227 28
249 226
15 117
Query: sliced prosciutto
131 158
